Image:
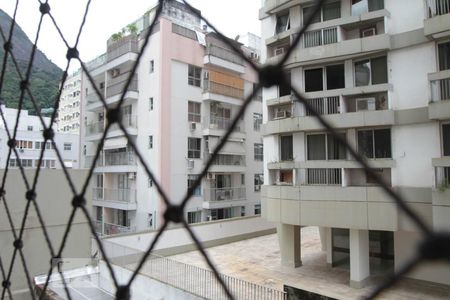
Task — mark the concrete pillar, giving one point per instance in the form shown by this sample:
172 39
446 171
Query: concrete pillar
359 258
348 67
323 237
329 242
290 250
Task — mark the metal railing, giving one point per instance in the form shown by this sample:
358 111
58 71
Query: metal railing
213 122
440 89
316 176
437 7
116 195
320 37
117 87
225 54
442 176
120 158
123 45
324 106
222 89
109 229
227 160
95 128
224 194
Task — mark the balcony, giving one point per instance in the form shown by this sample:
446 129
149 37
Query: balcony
110 229
346 111
130 124
439 106
224 197
124 199
437 24
95 130
127 44
224 163
217 126
114 162
222 93
441 193
223 58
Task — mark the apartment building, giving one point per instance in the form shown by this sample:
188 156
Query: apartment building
181 100
68 120
378 71
30 142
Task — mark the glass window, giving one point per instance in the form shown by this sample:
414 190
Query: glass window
313 80
325 147
150 103
190 184
259 180
152 66
331 11
257 209
335 77
446 139
286 149
30 128
194 217
362 73
194 75
375 143
258 152
194 147
257 121
373 71
67 146
444 56
194 114
307 11
379 70
150 142
282 23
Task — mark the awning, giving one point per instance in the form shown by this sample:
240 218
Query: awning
230 147
115 143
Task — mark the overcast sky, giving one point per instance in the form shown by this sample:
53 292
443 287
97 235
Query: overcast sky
105 17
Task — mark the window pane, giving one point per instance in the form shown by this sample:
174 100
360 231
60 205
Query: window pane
376 5
332 11
336 150
365 143
316 147
379 70
382 143
285 89
307 11
286 148
313 80
444 56
446 139
335 77
362 73
359 7
282 23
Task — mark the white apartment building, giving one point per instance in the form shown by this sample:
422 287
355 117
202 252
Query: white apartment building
183 97
69 117
378 71
29 142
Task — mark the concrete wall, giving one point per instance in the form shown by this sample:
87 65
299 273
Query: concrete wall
54 199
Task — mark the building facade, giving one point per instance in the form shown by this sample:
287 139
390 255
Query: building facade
183 97
69 116
378 71
30 142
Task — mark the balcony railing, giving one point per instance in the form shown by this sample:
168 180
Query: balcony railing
221 123
225 54
225 90
117 195
442 176
324 106
95 128
225 194
320 37
227 160
120 159
124 45
316 176
438 7
128 121
110 229
116 86
92 98
440 89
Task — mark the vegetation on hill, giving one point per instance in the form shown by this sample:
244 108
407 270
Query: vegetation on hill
45 75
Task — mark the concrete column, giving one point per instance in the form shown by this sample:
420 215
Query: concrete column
289 239
348 67
323 237
329 242
359 258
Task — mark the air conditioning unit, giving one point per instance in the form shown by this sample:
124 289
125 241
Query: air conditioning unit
282 114
115 73
21 150
193 126
190 164
279 51
365 104
211 176
132 176
368 32
206 75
